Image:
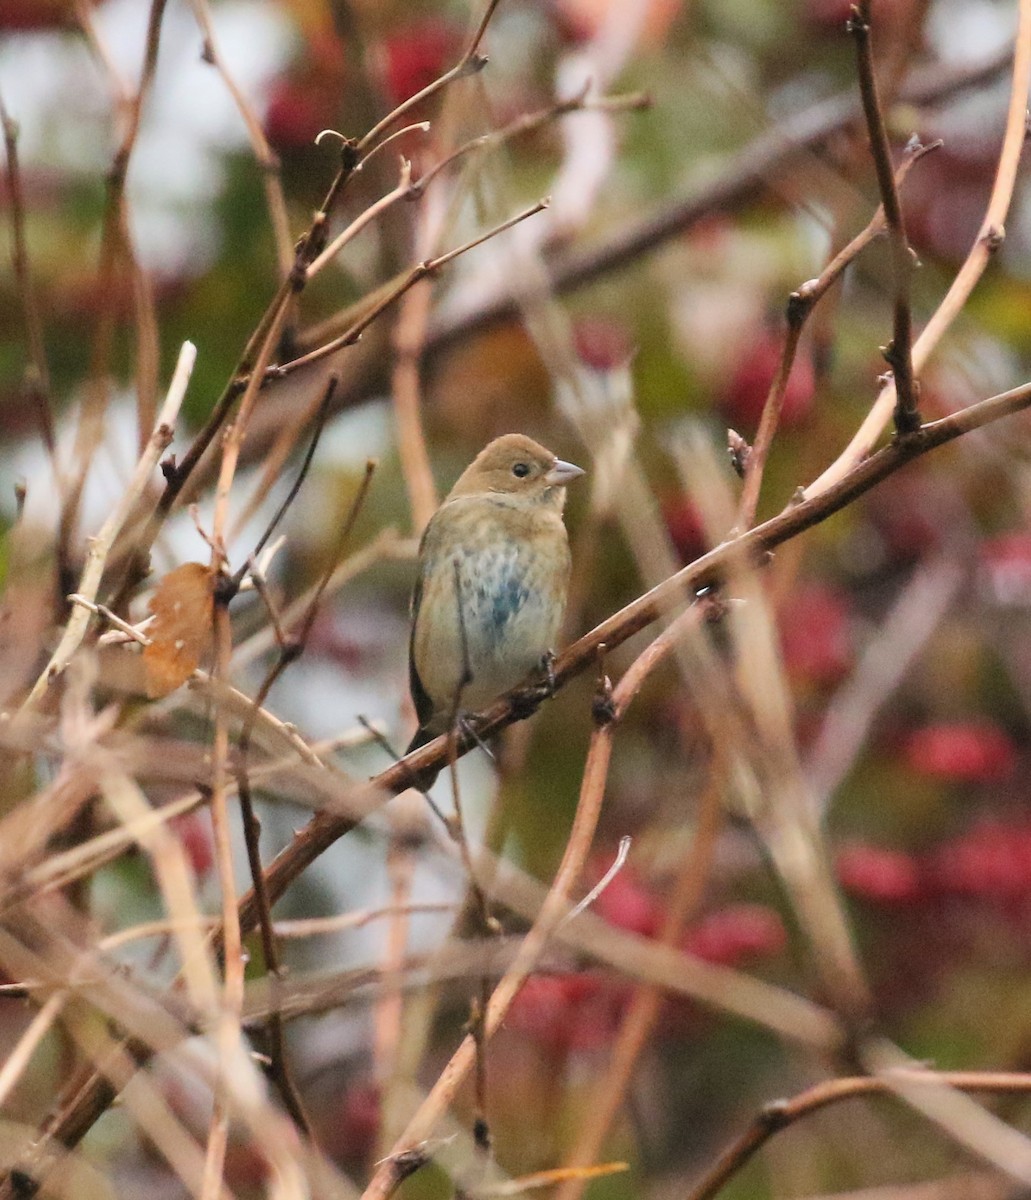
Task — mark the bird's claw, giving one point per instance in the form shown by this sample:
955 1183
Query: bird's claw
528 699
548 668
468 731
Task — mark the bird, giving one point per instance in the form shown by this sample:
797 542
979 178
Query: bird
490 594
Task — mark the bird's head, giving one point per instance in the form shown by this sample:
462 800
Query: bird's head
516 465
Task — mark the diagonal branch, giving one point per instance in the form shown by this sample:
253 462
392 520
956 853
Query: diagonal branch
989 239
899 352
77 1116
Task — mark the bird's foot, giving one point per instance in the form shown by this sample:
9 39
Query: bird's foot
548 671
468 732
528 699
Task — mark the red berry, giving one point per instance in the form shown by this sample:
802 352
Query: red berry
880 875
417 54
745 396
602 343
298 111
992 861
306 99
908 513
564 1012
246 1167
736 933
627 904
357 1122
945 196
583 20
961 752
194 832
828 15
685 527
816 634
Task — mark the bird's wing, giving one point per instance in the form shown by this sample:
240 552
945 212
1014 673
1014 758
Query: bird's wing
420 698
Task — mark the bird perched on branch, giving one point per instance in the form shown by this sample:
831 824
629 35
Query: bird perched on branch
491 591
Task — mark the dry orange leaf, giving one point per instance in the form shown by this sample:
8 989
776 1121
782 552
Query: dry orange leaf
181 633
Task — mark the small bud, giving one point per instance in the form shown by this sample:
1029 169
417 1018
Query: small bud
739 450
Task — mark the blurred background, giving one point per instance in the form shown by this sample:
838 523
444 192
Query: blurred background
715 159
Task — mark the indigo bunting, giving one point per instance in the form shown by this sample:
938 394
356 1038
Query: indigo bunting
491 590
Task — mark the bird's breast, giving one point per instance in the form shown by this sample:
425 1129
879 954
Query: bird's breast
494 604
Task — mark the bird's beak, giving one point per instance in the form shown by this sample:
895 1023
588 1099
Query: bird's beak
562 473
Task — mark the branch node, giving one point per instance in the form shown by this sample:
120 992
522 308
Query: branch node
481 1134
740 452
907 417
23 1185
298 274
775 1115
994 236
855 24
408 1162
225 589
800 302
603 709
473 65
291 651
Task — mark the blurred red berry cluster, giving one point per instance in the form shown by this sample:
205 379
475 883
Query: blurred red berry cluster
973 751
742 401
582 1011
989 862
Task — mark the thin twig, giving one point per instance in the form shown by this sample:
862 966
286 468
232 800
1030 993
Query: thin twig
227 1030
470 63
389 1173
402 191
646 1005
395 291
279 1067
705 571
298 483
988 241
800 304
780 1114
289 652
295 929
899 352
617 865
100 545
264 155
37 373
18 1059
768 156
75 1118
116 240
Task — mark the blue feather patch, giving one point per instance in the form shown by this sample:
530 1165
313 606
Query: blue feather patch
505 601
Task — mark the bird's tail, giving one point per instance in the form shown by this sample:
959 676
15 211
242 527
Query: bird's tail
423 780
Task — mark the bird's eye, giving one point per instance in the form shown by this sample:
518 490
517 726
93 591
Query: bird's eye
521 470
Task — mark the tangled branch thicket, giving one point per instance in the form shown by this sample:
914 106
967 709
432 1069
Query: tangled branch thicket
781 767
